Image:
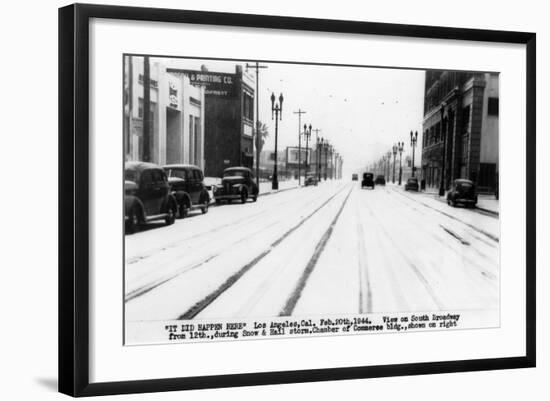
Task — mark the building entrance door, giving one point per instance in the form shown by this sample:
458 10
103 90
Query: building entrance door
174 137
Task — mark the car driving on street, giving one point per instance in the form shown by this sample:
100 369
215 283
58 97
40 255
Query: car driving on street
147 195
311 179
462 192
412 184
368 180
187 185
380 180
237 184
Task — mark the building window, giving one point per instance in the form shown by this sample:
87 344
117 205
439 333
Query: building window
248 106
466 120
492 106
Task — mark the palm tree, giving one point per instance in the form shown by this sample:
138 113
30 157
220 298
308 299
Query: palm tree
264 133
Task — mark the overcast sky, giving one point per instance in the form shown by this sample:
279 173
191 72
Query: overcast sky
361 111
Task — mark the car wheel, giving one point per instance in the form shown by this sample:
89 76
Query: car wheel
244 196
218 201
204 209
254 198
133 220
170 215
453 203
183 210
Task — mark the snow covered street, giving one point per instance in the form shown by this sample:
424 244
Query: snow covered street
331 248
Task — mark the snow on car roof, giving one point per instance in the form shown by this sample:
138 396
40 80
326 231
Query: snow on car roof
187 166
140 166
237 168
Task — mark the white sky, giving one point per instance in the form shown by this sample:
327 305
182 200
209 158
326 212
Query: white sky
361 111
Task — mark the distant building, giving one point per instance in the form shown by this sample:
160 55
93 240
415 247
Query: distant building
229 117
176 115
460 128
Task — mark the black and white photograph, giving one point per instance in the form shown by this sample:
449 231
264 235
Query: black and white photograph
267 199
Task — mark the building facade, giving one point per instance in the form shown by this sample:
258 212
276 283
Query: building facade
460 129
176 115
229 117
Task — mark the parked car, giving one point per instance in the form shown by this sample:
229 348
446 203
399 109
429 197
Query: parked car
462 192
380 180
354 177
237 184
147 195
311 179
412 184
368 180
187 185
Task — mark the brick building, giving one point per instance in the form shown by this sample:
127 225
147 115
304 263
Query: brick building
460 128
229 117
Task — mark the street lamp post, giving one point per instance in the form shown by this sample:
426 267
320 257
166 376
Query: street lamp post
388 159
400 149
326 159
307 134
394 151
413 145
257 115
442 180
277 113
299 112
320 157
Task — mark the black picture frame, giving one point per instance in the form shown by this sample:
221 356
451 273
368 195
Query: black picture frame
74 200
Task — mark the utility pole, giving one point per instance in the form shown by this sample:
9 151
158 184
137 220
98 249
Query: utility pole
146 110
257 94
317 130
299 112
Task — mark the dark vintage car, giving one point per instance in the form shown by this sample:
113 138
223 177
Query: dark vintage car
380 180
368 180
354 177
462 192
412 184
237 184
187 185
311 179
147 195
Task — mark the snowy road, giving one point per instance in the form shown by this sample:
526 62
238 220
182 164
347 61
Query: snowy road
334 248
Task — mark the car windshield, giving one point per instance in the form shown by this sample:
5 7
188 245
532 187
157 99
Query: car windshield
234 173
464 186
131 175
179 173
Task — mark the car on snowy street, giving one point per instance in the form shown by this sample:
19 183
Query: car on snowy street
368 180
354 177
187 185
311 179
412 184
462 192
380 180
237 184
147 195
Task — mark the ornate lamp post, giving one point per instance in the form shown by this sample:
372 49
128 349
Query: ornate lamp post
400 149
388 160
414 138
277 113
394 151
307 134
444 134
321 146
327 147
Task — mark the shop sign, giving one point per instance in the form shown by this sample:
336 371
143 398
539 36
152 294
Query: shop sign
173 94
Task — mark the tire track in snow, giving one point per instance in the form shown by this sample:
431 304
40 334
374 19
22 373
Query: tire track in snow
203 304
232 224
365 300
319 248
489 235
